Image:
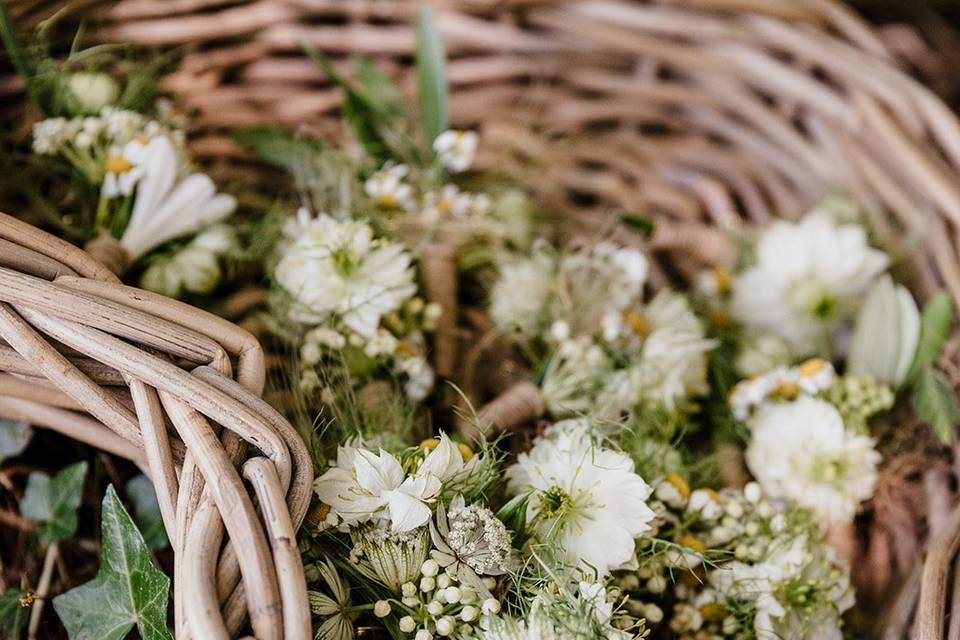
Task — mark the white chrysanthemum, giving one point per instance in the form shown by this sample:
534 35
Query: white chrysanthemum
808 278
801 450
587 498
337 271
456 149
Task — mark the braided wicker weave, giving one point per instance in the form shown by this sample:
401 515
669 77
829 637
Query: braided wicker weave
707 115
176 390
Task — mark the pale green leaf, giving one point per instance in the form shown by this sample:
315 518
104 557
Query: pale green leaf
14 438
146 511
128 590
431 77
13 615
936 404
52 503
935 324
286 150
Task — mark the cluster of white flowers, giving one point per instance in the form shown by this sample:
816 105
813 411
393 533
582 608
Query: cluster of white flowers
809 378
808 281
194 268
586 499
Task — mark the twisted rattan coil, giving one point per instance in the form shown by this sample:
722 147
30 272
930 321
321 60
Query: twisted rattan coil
177 391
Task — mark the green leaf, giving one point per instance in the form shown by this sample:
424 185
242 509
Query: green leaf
128 590
146 511
13 615
645 224
14 438
431 76
514 516
935 324
935 403
366 116
284 149
52 504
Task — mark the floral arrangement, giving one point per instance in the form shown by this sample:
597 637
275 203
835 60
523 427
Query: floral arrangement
611 509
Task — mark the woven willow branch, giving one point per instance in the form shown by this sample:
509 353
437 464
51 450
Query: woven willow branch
177 391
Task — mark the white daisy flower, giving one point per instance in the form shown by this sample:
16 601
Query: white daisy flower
337 271
456 149
124 169
801 451
168 206
389 189
808 279
448 201
588 498
809 377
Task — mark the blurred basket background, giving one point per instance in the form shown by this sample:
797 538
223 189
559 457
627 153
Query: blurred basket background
705 115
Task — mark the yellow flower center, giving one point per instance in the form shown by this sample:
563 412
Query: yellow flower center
404 349
691 542
636 322
812 367
679 484
713 495
721 319
721 277
388 201
430 444
465 451
318 514
117 164
787 390
713 612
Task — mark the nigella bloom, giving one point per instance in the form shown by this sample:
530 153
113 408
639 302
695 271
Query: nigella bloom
469 542
587 498
390 557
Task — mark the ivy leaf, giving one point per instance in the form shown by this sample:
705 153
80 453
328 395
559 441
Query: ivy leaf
935 324
128 588
52 503
13 614
14 438
935 403
431 77
146 511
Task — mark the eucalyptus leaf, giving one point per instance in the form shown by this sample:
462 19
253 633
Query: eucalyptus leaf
14 438
935 403
128 590
431 77
935 324
146 511
52 503
13 615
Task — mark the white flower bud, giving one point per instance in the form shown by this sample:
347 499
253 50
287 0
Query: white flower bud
490 606
752 492
657 584
469 613
452 595
408 589
445 626
430 568
93 91
443 581
423 634
407 624
381 609
427 584
653 613
434 607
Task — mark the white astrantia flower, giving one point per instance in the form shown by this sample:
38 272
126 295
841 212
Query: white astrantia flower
456 149
365 486
389 188
809 278
800 450
586 498
168 205
338 272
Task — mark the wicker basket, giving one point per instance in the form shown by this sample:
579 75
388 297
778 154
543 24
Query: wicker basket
177 391
705 114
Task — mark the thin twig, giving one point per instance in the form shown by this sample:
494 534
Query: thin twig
43 589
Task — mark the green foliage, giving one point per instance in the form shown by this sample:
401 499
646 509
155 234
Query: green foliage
431 77
52 503
128 590
146 511
645 224
13 614
14 438
935 403
935 324
514 517
284 149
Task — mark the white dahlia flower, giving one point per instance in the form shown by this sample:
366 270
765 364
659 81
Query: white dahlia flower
337 271
801 450
808 279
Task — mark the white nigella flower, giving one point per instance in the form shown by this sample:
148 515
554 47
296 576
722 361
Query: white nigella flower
364 486
800 450
168 206
339 271
588 497
456 149
808 279
521 293
389 189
